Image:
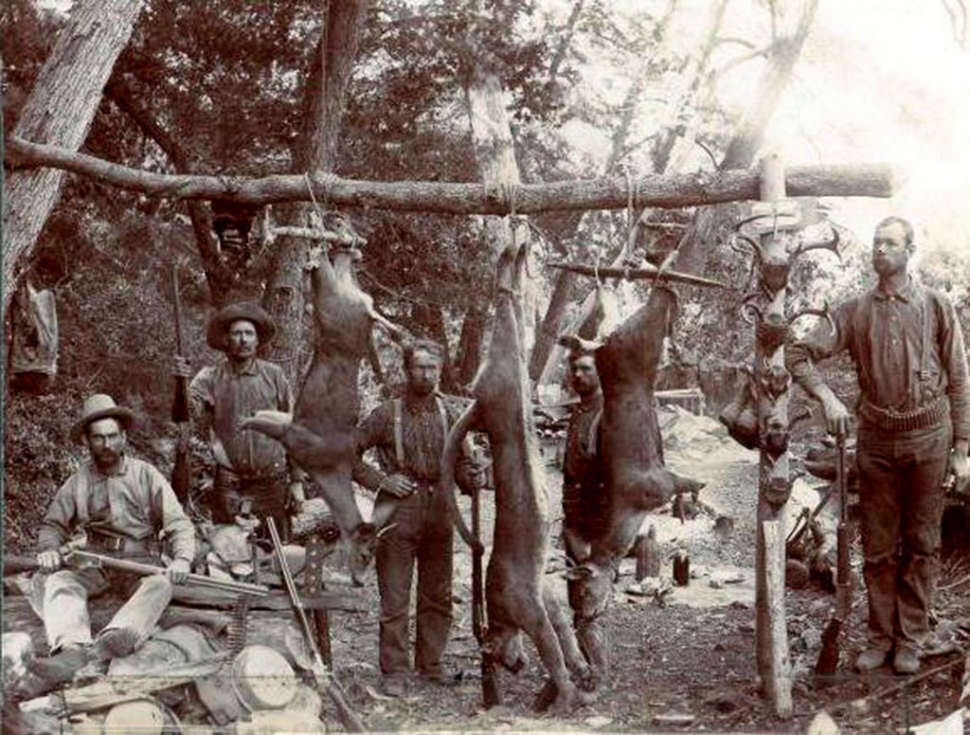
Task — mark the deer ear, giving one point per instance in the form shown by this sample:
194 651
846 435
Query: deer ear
573 342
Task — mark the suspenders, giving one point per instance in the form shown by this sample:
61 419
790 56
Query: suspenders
399 428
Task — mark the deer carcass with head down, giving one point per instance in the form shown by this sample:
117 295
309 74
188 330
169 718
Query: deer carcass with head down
630 450
320 434
515 597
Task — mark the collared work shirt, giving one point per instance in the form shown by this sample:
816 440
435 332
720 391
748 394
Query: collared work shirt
883 332
226 397
422 438
135 502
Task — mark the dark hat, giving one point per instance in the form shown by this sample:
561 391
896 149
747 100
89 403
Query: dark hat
216 333
102 406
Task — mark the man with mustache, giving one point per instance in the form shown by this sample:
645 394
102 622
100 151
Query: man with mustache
409 435
251 468
120 504
913 415
584 498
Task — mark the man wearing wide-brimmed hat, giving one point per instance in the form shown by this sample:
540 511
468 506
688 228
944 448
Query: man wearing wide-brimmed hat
251 468
120 504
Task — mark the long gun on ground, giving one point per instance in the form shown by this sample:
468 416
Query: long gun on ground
490 693
12 564
828 659
319 670
181 472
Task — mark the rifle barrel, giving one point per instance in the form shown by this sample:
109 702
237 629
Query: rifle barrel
127 565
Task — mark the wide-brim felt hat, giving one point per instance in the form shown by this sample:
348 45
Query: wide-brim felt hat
219 325
102 406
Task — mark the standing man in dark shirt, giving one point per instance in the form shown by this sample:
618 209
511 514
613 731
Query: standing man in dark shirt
914 415
584 499
409 435
250 466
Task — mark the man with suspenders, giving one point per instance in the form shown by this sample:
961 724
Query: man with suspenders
914 416
408 434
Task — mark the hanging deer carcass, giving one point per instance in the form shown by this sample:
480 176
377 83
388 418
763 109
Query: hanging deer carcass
515 597
320 434
631 455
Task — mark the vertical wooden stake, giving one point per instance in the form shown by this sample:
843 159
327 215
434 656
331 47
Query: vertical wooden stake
779 682
774 485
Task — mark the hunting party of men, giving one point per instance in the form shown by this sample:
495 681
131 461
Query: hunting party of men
505 366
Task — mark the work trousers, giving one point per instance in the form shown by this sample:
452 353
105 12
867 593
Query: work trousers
66 594
268 496
422 531
901 502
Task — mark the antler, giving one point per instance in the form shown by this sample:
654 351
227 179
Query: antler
832 245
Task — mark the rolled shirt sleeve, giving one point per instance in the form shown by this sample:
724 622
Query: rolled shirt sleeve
58 523
821 342
953 355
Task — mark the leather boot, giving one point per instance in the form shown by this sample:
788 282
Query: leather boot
61 667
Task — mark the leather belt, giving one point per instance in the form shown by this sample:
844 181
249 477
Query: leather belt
97 541
245 477
924 417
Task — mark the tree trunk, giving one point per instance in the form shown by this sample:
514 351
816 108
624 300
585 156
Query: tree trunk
547 354
59 112
218 275
495 152
795 19
315 152
470 346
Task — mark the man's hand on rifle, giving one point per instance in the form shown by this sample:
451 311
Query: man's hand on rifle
49 561
181 367
398 485
836 416
178 571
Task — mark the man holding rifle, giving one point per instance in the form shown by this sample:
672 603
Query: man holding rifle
121 504
249 465
914 417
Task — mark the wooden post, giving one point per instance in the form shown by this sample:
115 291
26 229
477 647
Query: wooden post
779 681
778 218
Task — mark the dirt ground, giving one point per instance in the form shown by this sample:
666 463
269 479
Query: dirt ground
685 665
691 660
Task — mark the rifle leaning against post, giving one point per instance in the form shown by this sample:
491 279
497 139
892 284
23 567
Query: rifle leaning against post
828 658
490 693
319 670
181 471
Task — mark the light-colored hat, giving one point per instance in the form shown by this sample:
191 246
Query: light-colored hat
223 319
102 406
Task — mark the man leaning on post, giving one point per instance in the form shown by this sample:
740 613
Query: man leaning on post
914 417
120 504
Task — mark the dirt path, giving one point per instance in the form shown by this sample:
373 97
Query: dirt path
692 659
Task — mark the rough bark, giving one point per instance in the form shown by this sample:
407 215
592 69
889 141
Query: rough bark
470 346
316 151
59 112
610 192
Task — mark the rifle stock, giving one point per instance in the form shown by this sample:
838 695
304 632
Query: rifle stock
490 693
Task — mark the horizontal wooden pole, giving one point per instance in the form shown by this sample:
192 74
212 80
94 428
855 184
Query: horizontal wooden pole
647 273
615 192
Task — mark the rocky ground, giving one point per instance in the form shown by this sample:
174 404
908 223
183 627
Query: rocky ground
685 662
